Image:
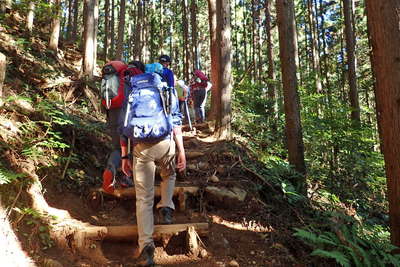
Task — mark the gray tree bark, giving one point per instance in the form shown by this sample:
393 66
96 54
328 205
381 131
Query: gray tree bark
55 25
3 65
121 27
107 37
288 55
88 40
74 34
30 16
351 59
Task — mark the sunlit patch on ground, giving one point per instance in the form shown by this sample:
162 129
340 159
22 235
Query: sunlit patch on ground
11 253
243 226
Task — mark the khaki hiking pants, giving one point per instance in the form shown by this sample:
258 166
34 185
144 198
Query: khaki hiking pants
144 165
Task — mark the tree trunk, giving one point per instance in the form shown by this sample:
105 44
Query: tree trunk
153 37
185 40
214 52
137 45
314 47
145 34
245 51
271 69
3 65
112 29
30 16
383 24
223 115
69 22
96 27
121 28
253 43
351 60
88 40
55 25
74 35
107 37
193 18
288 55
325 69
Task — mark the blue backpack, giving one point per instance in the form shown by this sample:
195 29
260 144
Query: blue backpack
148 114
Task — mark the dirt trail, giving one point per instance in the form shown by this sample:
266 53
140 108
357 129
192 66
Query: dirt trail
242 232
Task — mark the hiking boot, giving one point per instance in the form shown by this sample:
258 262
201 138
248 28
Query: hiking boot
108 181
166 215
146 258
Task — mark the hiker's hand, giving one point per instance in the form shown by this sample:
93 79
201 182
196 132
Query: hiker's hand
126 166
181 164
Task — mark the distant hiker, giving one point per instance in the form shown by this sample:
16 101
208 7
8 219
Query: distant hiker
199 85
152 122
114 91
168 74
183 94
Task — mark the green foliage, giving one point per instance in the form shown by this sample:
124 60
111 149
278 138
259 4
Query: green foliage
78 181
344 159
38 221
351 244
252 121
7 176
37 146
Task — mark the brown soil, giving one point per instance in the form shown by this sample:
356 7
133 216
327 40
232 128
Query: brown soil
246 233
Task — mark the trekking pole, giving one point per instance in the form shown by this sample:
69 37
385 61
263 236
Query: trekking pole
188 114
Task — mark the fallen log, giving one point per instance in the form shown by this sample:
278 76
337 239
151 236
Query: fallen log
193 154
130 232
131 193
180 191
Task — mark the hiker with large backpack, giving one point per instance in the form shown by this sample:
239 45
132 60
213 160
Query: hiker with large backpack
199 85
113 92
167 74
152 122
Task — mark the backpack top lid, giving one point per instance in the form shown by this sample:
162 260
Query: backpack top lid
132 71
145 80
201 75
117 65
154 68
137 64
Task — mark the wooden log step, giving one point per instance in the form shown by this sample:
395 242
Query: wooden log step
130 232
193 154
131 193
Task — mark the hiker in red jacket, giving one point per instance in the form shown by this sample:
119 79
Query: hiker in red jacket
198 89
113 115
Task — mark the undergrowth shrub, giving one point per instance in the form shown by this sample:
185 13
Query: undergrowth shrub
352 243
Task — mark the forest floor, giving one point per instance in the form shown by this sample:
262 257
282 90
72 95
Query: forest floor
251 225
243 231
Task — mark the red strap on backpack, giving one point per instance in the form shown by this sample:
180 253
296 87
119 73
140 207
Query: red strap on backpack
118 100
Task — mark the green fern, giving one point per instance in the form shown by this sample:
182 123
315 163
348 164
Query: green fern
7 176
308 237
364 245
337 255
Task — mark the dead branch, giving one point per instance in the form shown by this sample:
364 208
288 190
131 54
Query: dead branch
257 175
70 155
